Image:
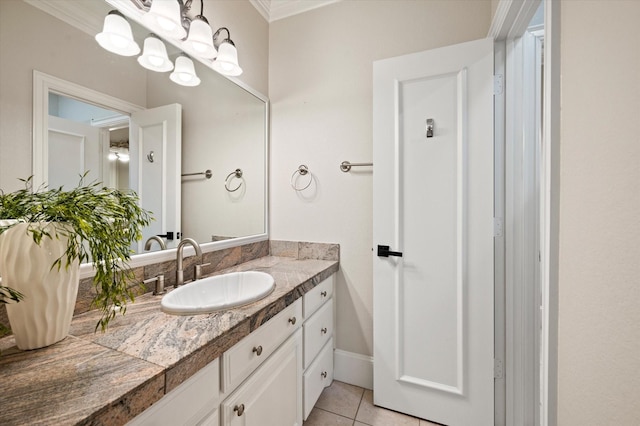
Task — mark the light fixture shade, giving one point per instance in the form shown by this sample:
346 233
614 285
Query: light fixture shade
227 61
184 73
154 56
200 39
116 35
165 18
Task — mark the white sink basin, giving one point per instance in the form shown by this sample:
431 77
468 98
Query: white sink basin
218 292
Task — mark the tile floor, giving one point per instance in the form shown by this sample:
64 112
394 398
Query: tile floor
342 404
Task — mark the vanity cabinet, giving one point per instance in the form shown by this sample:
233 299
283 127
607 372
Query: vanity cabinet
318 342
272 377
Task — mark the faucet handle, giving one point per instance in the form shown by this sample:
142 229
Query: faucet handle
199 270
159 280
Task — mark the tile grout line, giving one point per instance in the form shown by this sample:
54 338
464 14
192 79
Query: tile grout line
359 405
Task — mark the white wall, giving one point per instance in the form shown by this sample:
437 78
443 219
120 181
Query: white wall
320 86
599 276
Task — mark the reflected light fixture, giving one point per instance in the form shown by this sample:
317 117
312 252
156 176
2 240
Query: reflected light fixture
184 72
165 17
226 62
154 55
200 38
120 154
116 35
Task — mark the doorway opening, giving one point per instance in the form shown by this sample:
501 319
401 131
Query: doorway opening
526 130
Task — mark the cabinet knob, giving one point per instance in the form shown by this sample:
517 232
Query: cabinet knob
258 350
239 409
323 294
323 330
323 374
292 320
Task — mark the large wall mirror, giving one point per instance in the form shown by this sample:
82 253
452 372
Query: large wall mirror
222 125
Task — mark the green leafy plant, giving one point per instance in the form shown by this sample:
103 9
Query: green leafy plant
100 224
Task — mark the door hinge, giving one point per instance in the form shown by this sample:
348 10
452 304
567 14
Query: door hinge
498 84
498 227
497 368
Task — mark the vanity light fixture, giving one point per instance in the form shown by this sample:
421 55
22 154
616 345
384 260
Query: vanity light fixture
184 73
200 38
165 17
116 35
154 56
226 62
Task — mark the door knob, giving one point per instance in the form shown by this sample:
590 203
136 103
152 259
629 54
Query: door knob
383 251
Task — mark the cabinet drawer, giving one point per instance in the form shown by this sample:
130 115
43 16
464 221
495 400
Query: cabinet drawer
313 299
246 355
317 331
317 377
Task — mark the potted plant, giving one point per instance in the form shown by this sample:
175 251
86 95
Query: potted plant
52 232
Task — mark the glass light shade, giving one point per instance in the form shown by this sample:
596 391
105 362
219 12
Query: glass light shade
227 61
184 73
200 39
116 36
154 56
164 17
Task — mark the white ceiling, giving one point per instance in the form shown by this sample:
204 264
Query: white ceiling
272 10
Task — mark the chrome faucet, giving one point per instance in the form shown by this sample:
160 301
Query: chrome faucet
147 245
179 259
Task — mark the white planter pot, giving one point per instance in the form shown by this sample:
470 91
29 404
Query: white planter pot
43 317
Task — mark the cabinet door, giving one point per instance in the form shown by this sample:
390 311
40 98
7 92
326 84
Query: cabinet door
272 395
187 404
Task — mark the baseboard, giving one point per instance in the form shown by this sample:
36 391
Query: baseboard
353 368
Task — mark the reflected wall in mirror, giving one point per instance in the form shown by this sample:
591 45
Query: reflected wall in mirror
224 126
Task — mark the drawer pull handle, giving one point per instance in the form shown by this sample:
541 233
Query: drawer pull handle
323 330
323 294
239 409
258 350
323 374
292 320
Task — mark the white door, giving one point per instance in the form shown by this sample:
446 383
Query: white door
155 140
74 148
433 203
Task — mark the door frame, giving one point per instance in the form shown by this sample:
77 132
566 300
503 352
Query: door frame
510 21
42 85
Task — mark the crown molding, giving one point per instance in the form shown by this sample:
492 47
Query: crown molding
86 16
273 10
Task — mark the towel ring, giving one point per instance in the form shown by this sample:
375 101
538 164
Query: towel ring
238 174
302 170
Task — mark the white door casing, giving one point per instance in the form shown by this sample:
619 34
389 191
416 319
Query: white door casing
433 201
157 182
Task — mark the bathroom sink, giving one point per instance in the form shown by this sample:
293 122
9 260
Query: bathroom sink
218 292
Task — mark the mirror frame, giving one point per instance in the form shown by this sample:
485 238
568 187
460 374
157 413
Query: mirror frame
43 83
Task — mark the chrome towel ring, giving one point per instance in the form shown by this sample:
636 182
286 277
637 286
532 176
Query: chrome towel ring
302 171
236 173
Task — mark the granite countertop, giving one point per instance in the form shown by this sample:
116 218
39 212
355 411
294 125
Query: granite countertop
109 378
